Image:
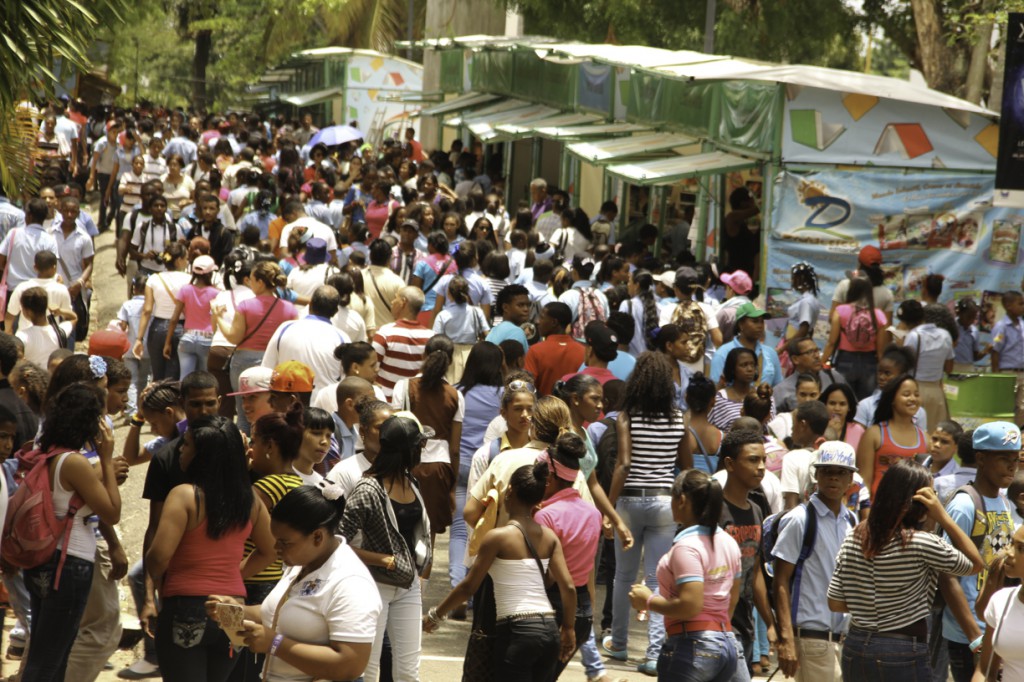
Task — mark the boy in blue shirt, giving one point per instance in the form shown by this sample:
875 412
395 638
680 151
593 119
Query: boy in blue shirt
1008 347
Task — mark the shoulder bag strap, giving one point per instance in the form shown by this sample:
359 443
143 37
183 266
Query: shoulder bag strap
995 633
533 552
170 293
439 274
10 250
259 324
375 287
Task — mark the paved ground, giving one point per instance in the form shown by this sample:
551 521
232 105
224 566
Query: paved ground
442 651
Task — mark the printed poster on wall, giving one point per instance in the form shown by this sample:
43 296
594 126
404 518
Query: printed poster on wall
923 223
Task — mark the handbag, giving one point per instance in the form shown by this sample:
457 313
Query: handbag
478 664
3 281
255 329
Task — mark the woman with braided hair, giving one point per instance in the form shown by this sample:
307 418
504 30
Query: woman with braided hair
644 309
805 311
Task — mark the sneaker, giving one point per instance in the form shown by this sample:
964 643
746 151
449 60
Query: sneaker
649 668
140 670
617 654
14 652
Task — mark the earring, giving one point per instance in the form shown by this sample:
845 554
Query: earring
267 455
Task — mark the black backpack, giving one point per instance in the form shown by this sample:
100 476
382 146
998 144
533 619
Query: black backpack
607 452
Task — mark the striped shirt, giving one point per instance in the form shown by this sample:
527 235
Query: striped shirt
895 589
654 442
726 410
274 487
399 347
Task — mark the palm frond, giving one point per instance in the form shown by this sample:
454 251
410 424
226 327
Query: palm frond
18 152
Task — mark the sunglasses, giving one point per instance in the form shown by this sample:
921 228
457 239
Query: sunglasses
521 385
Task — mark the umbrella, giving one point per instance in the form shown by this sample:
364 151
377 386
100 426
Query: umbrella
335 135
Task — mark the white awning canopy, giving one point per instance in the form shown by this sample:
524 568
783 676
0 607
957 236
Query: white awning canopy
485 127
470 99
580 132
306 99
521 129
675 168
602 152
498 107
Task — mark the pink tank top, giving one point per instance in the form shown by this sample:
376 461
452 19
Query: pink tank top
203 565
889 451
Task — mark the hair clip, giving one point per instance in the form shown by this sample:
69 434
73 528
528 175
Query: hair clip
98 366
653 334
331 490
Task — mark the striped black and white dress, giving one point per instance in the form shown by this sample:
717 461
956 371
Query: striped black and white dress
654 442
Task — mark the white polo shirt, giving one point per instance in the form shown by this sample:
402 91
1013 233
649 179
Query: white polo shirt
311 341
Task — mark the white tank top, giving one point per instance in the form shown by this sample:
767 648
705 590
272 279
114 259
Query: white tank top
82 542
519 587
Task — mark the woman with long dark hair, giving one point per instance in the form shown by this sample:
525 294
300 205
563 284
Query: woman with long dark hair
893 435
652 443
59 588
438 405
705 438
740 376
237 268
324 633
388 515
199 547
467 263
643 306
842 408
519 557
869 264
155 328
347 319
886 573
696 586
429 271
481 388
856 337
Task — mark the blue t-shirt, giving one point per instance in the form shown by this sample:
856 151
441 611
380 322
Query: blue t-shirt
998 537
504 330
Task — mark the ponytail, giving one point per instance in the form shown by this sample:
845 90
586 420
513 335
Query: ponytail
705 495
438 357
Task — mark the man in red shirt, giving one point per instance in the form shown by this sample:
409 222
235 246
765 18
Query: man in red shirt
415 148
602 347
558 354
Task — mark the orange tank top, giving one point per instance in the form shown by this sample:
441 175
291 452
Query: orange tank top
202 565
889 451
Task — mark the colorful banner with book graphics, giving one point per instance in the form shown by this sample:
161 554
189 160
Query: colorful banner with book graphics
834 127
1010 164
924 223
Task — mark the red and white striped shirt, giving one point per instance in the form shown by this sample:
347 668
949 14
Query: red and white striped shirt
399 347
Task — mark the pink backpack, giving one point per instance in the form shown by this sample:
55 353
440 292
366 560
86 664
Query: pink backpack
32 529
590 309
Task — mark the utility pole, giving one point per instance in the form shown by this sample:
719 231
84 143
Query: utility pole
709 28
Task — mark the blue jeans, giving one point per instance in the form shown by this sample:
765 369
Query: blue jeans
163 368
56 615
860 371
870 657
140 378
242 360
193 349
21 602
702 657
458 533
761 646
137 584
650 521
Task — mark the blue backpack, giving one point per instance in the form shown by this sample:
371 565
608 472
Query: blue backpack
770 535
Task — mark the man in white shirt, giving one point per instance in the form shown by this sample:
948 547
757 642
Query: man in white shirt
347 472
295 216
20 246
380 283
46 278
311 340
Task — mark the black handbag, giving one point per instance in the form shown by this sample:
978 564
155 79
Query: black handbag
82 311
478 665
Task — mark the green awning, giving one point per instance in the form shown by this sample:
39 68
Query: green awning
485 128
521 129
673 169
470 99
580 132
603 152
307 99
498 107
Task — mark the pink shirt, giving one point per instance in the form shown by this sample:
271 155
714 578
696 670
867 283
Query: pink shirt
845 312
694 558
377 216
578 527
254 309
196 302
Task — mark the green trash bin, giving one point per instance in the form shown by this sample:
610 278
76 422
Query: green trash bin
980 397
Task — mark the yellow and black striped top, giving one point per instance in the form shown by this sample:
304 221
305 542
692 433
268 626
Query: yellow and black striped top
274 487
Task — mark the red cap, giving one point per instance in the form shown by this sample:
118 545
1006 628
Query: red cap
870 255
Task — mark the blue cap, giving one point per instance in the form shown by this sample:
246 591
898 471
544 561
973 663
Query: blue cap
996 437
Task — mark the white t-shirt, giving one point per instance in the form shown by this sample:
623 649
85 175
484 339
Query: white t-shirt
57 296
164 300
347 472
882 295
305 281
351 323
770 485
338 602
311 341
1009 640
40 342
228 300
327 399
315 227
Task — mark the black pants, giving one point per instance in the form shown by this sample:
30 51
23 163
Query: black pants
961 661
526 650
583 626
190 646
608 566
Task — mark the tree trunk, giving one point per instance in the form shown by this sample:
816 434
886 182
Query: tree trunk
936 60
979 59
200 60
995 93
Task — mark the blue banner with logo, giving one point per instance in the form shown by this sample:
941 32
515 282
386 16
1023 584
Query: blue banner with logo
924 223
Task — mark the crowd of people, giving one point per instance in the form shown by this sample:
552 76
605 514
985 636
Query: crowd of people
327 357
